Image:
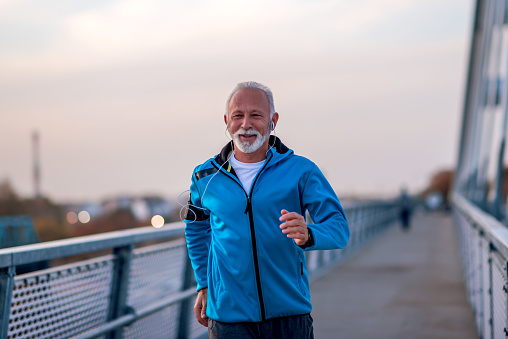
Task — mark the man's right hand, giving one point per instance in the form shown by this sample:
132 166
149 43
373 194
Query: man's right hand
200 307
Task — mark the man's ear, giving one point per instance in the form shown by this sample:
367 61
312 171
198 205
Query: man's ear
226 119
275 118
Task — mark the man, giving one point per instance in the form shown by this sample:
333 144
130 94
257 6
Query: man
405 209
245 227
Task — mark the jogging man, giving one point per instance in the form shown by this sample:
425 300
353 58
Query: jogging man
246 231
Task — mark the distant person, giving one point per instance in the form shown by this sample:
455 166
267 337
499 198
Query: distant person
246 231
405 209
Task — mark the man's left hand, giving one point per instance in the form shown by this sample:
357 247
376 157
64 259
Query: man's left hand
294 226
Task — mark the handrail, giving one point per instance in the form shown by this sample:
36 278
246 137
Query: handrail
26 254
492 228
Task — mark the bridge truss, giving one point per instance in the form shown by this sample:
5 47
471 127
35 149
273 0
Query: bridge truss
481 182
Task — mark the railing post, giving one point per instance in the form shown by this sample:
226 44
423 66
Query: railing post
491 300
183 323
119 286
6 286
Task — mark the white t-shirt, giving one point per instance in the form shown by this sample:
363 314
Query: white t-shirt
246 172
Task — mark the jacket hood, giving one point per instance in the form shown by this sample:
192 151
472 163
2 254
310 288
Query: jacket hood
278 150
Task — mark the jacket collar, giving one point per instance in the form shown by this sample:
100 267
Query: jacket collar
275 146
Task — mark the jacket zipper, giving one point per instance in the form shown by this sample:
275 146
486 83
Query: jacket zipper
248 209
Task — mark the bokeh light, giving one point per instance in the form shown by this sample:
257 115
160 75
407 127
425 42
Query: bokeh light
72 217
84 217
157 221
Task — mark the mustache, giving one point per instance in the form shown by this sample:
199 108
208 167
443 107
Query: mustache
247 132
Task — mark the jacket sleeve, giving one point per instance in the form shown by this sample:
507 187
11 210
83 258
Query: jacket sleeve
198 234
330 229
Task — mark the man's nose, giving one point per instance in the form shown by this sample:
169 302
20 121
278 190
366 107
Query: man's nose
246 123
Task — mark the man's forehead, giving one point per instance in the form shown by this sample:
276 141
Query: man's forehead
249 94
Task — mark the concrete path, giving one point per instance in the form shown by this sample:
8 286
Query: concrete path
403 285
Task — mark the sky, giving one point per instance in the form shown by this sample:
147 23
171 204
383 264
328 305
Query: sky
128 96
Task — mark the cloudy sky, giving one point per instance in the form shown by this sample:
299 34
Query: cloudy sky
128 96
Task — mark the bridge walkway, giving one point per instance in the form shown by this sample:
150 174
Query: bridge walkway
403 285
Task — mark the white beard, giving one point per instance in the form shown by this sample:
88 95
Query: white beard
247 147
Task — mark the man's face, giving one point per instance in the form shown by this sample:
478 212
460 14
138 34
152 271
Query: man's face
249 119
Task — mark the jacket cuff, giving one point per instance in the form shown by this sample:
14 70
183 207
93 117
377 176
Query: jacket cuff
310 241
199 287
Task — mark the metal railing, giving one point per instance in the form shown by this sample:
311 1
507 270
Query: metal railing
131 292
484 250
366 222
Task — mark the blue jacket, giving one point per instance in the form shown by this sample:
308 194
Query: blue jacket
252 270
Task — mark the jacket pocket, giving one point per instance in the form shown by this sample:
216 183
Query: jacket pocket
215 281
300 276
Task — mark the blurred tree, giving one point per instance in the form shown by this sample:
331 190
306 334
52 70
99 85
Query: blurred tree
46 215
441 182
10 203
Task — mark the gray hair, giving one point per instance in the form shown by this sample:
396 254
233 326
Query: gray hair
252 85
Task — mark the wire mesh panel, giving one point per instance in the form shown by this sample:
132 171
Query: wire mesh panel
326 257
476 270
163 324
312 261
351 217
156 272
337 254
355 235
470 279
462 226
459 225
478 279
61 302
486 288
499 297
471 266
466 229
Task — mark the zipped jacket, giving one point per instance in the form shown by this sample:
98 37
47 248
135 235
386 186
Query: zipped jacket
252 270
